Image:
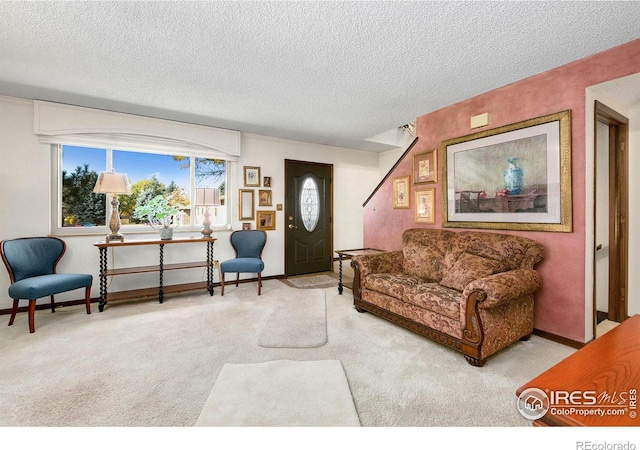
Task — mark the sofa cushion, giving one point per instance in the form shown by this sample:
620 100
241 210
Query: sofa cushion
392 284
435 298
469 267
424 251
516 251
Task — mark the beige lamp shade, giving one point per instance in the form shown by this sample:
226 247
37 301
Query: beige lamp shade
112 183
207 197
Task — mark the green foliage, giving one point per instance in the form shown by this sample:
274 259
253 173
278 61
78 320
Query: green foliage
142 192
157 211
80 204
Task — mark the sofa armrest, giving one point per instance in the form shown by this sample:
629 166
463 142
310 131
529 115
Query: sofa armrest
504 286
384 262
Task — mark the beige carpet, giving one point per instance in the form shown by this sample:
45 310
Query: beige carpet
299 320
146 364
281 393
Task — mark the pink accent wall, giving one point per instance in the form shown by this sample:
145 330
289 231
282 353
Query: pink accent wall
560 304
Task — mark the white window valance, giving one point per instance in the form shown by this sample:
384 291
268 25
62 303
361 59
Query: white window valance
57 123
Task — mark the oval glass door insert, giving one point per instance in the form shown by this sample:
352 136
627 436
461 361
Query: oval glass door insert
309 204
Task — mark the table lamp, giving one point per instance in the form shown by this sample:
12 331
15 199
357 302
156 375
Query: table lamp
113 183
207 197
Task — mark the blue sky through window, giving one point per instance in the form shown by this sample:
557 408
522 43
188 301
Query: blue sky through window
73 157
136 165
140 166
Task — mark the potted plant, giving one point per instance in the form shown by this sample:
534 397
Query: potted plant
160 214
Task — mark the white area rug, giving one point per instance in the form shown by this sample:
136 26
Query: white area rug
299 320
281 393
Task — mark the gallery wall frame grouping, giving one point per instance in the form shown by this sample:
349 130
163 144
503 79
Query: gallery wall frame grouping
265 220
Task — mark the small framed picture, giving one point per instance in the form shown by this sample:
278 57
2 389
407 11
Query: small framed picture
264 197
251 176
401 193
246 226
266 220
267 182
425 167
425 205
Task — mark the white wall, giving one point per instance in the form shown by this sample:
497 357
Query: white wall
25 202
388 159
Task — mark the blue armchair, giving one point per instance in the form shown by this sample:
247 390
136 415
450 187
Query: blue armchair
248 245
31 263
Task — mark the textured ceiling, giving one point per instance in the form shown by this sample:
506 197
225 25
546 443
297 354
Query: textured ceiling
326 72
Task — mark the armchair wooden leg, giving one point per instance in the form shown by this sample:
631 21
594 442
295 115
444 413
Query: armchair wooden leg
237 279
14 311
222 283
53 305
87 299
32 316
259 283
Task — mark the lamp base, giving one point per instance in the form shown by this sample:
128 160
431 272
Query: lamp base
115 237
206 224
114 222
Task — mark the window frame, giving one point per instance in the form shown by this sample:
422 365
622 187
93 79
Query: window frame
56 190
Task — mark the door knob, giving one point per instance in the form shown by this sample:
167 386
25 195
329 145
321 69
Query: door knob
292 226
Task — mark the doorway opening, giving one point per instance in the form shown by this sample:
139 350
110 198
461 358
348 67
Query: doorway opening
611 218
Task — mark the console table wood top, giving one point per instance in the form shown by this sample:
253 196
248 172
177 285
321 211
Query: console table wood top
608 370
151 241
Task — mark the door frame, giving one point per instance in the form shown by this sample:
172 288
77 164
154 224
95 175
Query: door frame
618 211
286 209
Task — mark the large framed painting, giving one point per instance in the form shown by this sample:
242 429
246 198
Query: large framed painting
516 177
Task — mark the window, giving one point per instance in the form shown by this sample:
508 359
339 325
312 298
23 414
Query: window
176 176
309 204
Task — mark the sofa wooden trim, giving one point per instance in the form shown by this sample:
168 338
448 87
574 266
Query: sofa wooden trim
472 333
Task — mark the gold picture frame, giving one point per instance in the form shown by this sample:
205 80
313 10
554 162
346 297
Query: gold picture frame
266 220
515 177
251 176
264 197
424 209
246 204
402 192
425 167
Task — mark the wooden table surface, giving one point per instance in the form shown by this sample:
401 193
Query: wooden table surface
598 384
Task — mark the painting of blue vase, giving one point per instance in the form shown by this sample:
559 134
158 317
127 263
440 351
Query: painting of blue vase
513 177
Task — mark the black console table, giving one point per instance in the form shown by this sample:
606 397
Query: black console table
160 267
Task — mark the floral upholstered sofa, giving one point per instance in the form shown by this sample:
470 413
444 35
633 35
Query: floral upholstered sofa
472 291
